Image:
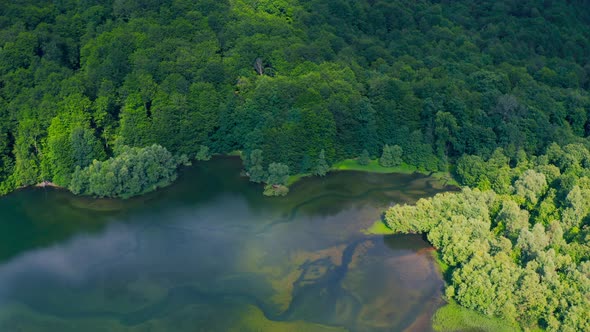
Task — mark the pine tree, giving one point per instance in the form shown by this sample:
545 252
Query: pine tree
321 167
386 159
364 158
392 156
255 168
396 155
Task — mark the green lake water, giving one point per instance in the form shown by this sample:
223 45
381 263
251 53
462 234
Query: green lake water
210 253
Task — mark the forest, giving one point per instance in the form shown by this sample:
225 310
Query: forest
517 245
108 98
80 80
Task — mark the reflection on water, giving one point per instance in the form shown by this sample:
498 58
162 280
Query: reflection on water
212 254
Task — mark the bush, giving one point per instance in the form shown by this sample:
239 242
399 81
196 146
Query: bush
275 190
133 172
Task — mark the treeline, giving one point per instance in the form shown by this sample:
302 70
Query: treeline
518 245
439 79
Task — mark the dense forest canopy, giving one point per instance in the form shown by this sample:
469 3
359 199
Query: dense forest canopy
81 79
518 245
108 97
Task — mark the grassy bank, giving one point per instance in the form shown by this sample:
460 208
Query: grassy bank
378 228
453 317
374 167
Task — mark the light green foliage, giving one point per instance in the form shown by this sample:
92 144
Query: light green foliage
135 125
275 190
551 172
278 174
512 219
203 153
487 284
547 211
453 317
321 167
470 170
59 160
71 142
577 208
257 173
523 265
134 171
458 84
530 186
253 164
410 219
391 156
457 224
27 149
532 242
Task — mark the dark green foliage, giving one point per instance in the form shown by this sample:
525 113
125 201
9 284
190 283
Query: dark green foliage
475 84
278 174
85 147
254 165
438 79
391 156
257 173
364 158
133 171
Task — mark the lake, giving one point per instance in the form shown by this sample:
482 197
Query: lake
211 253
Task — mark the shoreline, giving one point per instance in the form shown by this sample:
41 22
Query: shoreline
344 165
450 316
46 184
373 167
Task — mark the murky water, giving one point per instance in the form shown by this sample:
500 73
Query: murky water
210 253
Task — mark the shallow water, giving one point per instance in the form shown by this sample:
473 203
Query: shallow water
210 253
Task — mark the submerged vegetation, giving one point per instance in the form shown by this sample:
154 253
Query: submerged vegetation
102 97
517 246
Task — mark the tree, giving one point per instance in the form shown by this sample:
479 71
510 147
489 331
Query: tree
530 186
203 153
321 167
255 168
445 130
85 147
513 219
278 174
59 161
391 156
133 172
364 158
532 243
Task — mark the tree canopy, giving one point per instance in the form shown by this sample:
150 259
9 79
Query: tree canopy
522 254
132 172
438 79
103 97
